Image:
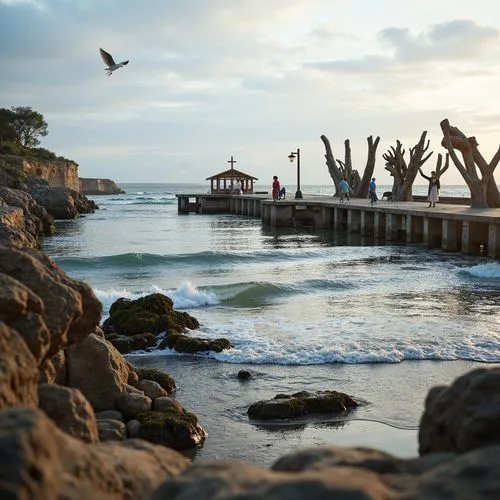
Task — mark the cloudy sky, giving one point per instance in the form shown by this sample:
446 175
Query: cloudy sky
256 79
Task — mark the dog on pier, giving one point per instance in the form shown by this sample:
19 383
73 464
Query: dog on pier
387 195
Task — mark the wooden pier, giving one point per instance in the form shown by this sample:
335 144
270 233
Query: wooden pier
451 227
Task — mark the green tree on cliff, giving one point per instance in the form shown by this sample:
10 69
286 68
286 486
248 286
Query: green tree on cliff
7 132
29 126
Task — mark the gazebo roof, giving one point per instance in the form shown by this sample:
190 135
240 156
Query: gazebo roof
231 173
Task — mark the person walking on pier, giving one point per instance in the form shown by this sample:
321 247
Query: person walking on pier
373 191
344 189
276 188
434 187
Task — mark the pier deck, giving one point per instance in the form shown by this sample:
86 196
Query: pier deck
452 227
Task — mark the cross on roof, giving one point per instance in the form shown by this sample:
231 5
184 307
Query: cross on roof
232 162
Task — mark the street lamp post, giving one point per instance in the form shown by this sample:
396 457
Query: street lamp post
291 157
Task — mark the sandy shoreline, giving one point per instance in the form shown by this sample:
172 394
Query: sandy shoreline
392 397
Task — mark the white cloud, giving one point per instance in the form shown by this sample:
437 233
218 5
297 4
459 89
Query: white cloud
251 78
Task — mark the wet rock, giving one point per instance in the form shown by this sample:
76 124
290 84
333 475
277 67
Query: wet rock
69 410
244 375
151 314
463 416
175 428
191 345
302 404
126 344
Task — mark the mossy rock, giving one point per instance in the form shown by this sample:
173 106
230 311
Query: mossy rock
126 344
175 428
150 314
191 345
302 404
162 378
180 320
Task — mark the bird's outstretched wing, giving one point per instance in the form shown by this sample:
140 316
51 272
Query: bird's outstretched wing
107 58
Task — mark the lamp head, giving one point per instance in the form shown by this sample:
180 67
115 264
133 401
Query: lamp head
291 157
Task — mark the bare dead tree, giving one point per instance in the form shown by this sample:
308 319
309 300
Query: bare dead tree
483 190
339 169
404 173
440 167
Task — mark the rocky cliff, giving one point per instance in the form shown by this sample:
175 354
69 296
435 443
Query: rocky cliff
58 173
98 186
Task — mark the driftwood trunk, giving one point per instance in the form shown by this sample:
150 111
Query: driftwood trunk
404 174
339 169
483 190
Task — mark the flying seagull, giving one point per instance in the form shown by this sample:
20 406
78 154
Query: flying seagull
109 61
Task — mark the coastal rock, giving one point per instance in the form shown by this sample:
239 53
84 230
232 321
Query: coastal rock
165 404
37 219
150 314
18 368
367 475
302 404
190 345
15 237
69 410
165 381
151 389
99 186
463 416
175 428
244 375
40 461
109 415
53 370
66 308
111 430
139 342
133 428
98 370
132 404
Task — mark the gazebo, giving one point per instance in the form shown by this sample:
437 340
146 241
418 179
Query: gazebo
223 182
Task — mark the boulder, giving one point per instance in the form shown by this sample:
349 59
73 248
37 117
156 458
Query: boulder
53 370
151 314
187 344
96 368
152 389
35 215
109 415
244 375
133 427
358 475
463 416
66 308
139 342
18 370
39 461
162 378
175 428
16 237
166 404
111 430
302 404
69 410
132 404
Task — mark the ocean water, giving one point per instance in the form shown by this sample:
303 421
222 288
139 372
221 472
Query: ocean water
304 309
